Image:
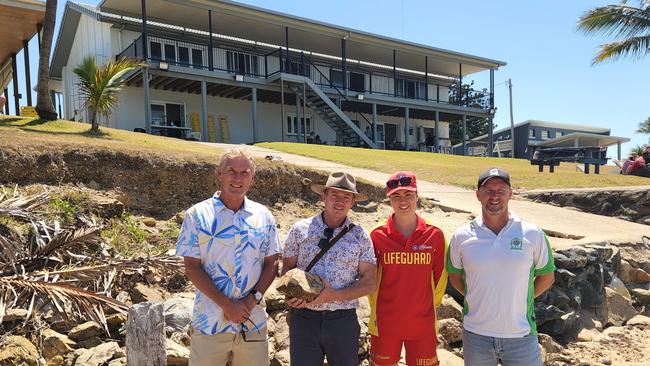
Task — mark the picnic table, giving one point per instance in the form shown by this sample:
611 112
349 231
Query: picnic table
171 131
552 156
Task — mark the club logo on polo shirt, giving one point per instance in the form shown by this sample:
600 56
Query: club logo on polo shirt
516 244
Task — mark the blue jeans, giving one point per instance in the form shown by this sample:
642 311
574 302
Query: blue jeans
480 350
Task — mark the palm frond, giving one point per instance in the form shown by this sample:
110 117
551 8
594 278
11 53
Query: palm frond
621 21
644 127
636 47
63 296
18 206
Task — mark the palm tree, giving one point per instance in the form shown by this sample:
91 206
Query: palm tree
100 86
44 106
644 127
628 23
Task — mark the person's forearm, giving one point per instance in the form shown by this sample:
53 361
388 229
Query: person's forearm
203 283
362 287
269 271
543 283
457 283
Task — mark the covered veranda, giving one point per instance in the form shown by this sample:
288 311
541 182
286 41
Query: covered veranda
20 20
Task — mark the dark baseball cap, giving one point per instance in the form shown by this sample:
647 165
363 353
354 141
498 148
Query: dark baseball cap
493 173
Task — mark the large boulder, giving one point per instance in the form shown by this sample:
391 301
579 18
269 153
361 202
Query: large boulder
449 308
639 320
99 355
17 350
451 329
55 344
178 314
449 359
619 308
177 355
300 285
85 331
641 295
273 299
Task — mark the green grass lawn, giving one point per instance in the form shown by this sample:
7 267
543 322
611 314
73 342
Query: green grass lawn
459 170
14 130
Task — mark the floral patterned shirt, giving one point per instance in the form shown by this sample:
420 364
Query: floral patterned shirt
232 247
340 265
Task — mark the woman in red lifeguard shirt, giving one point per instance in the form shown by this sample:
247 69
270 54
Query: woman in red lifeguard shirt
412 279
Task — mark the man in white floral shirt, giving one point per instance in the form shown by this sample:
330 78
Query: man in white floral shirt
230 249
328 325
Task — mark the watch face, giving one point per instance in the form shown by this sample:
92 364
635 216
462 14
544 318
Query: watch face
258 295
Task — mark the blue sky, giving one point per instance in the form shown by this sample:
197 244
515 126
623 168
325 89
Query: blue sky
548 60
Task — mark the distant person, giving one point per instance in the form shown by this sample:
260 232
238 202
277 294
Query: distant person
500 263
429 141
646 154
230 249
368 132
311 138
639 168
317 140
627 163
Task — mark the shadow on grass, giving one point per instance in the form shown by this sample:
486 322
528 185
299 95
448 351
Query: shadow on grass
10 120
86 133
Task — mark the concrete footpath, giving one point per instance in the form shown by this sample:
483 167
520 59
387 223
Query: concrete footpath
566 226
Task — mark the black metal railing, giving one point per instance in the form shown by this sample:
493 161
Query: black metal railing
265 65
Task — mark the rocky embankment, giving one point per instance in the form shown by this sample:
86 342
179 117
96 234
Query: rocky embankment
153 183
629 204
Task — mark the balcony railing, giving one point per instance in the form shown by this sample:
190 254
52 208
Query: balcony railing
328 76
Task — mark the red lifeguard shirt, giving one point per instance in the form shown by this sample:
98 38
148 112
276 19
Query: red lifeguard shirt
412 280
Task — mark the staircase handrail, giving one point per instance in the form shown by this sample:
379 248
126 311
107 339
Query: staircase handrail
310 62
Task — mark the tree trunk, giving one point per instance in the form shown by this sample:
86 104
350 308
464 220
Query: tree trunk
145 335
44 106
94 123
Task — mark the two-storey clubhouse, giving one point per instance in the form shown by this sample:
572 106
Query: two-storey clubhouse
222 71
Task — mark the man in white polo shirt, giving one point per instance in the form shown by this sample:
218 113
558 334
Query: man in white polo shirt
500 264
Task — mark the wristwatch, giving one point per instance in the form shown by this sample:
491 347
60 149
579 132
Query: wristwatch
257 295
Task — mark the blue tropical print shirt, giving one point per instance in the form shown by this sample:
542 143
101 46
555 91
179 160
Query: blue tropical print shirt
232 247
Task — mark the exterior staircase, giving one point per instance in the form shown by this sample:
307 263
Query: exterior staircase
320 103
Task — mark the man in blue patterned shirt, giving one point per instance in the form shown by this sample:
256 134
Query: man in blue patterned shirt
230 248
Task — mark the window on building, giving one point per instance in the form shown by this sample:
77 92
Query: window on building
241 63
170 53
544 134
357 81
558 134
336 78
292 125
197 57
531 133
183 56
155 50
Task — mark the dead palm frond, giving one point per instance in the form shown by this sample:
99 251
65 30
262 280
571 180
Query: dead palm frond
69 301
20 207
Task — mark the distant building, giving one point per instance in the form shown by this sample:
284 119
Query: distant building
532 134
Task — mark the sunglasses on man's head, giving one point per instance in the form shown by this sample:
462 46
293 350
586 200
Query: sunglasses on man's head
404 182
327 235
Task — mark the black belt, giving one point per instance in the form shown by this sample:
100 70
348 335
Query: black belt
324 313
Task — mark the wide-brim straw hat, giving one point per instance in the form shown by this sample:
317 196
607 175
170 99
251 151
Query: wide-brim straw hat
341 181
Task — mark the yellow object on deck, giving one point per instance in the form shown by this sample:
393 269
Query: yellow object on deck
225 130
28 111
195 121
212 129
